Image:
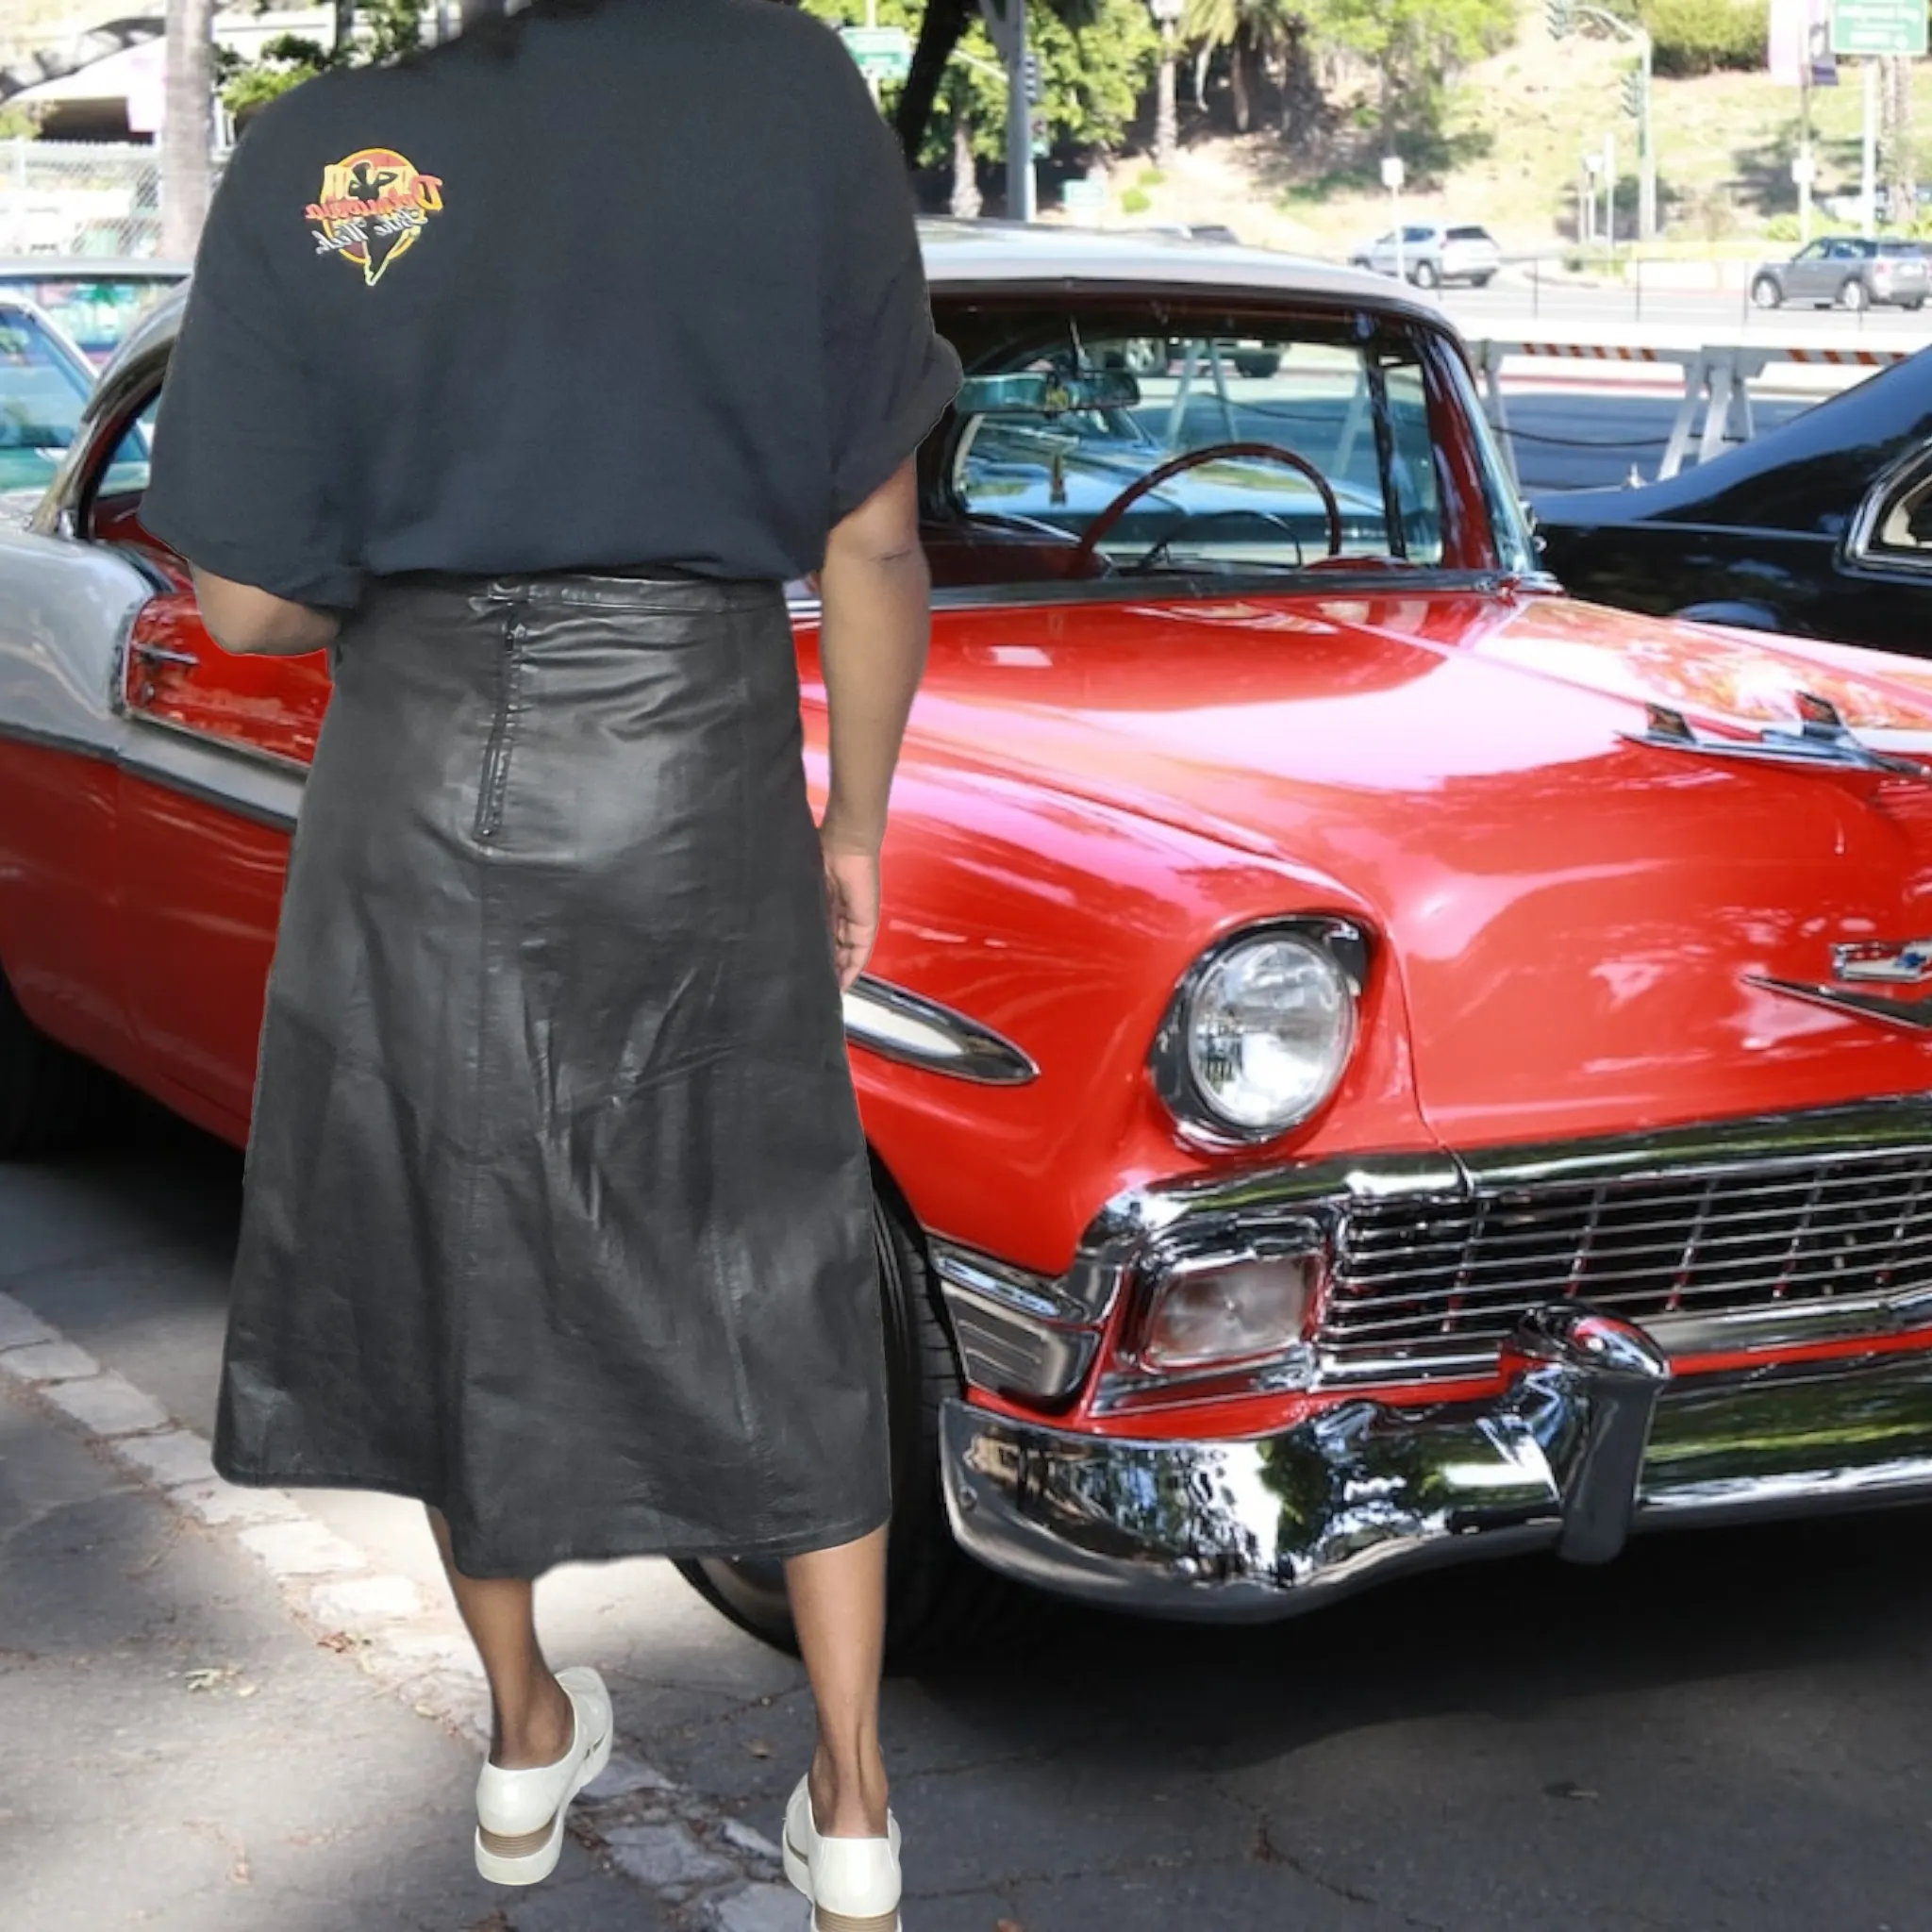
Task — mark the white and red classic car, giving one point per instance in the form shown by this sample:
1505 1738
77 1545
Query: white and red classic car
1369 1061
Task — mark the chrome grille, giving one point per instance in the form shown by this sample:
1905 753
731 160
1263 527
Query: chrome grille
1450 1275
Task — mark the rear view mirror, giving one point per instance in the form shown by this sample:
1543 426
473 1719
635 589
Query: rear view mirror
1036 393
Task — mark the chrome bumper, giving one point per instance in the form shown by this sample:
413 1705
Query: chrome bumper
1592 1438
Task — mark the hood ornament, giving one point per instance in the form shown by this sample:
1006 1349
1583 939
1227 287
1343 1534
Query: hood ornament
1822 742
1883 962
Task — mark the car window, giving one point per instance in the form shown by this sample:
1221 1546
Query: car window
1812 251
1900 248
1418 234
125 472
1903 526
1236 422
41 394
1468 235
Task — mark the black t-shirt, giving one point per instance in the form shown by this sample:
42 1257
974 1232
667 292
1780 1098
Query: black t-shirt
635 287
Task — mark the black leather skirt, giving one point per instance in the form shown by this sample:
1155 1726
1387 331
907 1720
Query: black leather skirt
558 1209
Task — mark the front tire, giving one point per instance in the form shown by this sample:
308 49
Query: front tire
1765 293
50 1099
1482 281
941 1606
1855 296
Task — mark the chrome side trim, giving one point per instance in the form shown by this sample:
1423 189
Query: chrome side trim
906 1027
236 778
1822 743
1589 1441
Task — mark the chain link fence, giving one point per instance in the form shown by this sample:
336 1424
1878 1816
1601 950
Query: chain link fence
79 198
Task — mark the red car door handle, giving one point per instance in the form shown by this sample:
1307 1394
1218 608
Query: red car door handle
160 654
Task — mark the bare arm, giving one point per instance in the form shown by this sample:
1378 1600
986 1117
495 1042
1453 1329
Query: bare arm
876 597
253 623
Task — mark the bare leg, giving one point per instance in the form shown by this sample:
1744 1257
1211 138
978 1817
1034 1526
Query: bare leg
839 1605
534 1720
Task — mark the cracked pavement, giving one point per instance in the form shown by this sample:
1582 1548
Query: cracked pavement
1717 1734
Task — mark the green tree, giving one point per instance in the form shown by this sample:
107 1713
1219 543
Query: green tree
1092 74
938 29
1251 32
1416 47
366 32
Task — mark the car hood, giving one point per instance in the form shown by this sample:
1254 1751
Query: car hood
1591 932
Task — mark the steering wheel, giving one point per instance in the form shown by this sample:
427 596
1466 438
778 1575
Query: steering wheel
1082 554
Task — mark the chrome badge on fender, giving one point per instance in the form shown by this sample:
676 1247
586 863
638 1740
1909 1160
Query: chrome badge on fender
1869 962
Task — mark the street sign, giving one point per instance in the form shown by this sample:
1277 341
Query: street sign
1879 26
1392 171
1084 196
883 53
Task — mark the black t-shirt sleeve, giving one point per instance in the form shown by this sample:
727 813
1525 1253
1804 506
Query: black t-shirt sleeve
891 374
240 479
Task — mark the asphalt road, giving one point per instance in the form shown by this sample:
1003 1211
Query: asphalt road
1516 300
1723 1733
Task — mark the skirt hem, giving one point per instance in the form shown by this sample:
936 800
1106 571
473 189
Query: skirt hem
615 1550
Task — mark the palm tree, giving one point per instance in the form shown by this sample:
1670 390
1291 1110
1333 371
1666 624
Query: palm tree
187 125
1251 30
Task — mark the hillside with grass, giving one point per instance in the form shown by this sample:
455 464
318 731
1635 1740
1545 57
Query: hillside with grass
1510 157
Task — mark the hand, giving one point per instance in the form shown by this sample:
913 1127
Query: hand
852 899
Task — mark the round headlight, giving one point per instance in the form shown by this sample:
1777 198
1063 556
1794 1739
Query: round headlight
1263 1032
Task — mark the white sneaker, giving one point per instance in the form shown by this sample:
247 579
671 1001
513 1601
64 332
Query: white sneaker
852 1883
520 1814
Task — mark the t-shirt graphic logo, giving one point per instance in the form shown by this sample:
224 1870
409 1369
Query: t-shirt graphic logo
374 205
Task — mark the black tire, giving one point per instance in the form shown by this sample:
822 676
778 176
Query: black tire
50 1099
1767 292
1425 274
942 1607
1912 304
1481 281
1257 362
1854 295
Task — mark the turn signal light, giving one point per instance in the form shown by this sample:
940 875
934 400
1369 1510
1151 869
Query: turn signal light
1232 1310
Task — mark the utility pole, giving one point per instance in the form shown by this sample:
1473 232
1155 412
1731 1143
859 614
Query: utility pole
1005 21
187 126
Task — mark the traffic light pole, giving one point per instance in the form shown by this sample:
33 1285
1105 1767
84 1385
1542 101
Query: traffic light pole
1565 16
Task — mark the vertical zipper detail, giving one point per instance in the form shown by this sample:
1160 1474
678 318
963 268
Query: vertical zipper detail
495 778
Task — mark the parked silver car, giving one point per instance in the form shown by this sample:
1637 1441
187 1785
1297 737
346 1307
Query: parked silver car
1848 271
1433 256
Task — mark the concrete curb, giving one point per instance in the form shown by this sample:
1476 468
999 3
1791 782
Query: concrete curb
706 1867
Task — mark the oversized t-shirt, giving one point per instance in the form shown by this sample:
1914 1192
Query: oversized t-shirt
633 286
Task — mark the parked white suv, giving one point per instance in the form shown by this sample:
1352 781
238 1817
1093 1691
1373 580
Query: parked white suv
1432 254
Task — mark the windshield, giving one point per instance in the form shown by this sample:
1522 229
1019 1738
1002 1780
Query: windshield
1149 445
41 394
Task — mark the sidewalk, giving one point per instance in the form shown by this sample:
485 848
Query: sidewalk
182 1755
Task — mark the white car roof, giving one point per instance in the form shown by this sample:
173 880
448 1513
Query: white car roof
1015 255
1011 254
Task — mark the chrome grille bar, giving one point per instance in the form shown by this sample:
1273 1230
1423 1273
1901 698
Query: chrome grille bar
1424 1278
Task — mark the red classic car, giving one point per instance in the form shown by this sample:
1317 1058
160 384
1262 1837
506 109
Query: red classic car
1369 1061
